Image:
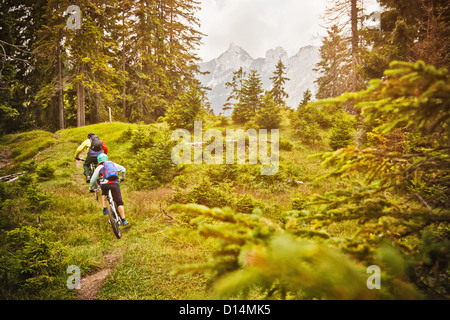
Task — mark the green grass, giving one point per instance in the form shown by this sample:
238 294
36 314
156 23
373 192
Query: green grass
150 250
25 146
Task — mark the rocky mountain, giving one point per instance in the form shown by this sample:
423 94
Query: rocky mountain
299 69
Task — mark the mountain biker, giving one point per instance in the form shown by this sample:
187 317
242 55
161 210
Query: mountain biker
95 147
108 173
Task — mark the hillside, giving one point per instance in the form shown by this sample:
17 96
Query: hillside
65 214
200 231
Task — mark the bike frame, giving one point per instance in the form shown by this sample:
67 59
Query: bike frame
113 215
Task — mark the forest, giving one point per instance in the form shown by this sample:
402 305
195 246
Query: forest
358 208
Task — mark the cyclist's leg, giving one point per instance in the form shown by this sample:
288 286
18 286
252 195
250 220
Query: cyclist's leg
87 164
117 196
121 211
86 167
105 190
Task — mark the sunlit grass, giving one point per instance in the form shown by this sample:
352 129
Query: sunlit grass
150 248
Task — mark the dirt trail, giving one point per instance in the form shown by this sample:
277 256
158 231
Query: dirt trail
5 157
91 284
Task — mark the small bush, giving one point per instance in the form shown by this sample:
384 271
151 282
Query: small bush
342 132
46 171
29 166
246 204
37 199
153 162
30 260
285 145
298 203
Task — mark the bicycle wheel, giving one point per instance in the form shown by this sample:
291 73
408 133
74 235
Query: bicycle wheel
114 221
96 190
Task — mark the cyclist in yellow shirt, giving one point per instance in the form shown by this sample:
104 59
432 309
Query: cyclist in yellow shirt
94 146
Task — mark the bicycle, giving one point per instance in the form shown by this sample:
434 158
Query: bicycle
113 215
97 188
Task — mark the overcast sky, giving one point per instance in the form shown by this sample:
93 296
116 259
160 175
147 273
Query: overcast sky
259 25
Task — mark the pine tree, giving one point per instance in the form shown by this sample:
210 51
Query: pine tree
428 25
307 96
184 112
342 132
250 99
236 86
268 115
335 65
412 97
346 15
162 56
278 82
19 77
50 55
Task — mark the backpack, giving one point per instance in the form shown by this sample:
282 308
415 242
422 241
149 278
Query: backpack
96 144
111 173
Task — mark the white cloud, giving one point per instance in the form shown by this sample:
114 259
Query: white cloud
259 25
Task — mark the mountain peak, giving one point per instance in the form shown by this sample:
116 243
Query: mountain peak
235 49
299 69
233 58
276 54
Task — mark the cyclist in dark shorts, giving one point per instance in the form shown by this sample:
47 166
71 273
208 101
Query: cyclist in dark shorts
108 172
93 151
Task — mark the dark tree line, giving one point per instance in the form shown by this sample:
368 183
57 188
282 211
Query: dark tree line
136 57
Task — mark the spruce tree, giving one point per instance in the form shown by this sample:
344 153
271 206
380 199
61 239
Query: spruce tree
250 99
278 82
307 96
335 65
268 115
236 86
19 77
50 55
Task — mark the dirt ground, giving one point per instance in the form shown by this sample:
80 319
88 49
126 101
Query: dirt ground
91 284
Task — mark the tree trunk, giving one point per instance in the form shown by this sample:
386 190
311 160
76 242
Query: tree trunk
80 101
354 24
124 91
60 90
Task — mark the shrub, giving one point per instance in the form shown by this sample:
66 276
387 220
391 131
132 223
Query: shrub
209 194
30 260
268 115
142 138
298 203
29 166
246 204
342 132
285 145
46 171
151 165
37 199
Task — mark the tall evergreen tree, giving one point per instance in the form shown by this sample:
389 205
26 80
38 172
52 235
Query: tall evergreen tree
235 85
163 58
250 100
335 65
18 73
50 55
427 23
307 95
278 82
135 57
346 15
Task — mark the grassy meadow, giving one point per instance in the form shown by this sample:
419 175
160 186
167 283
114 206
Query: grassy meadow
50 210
